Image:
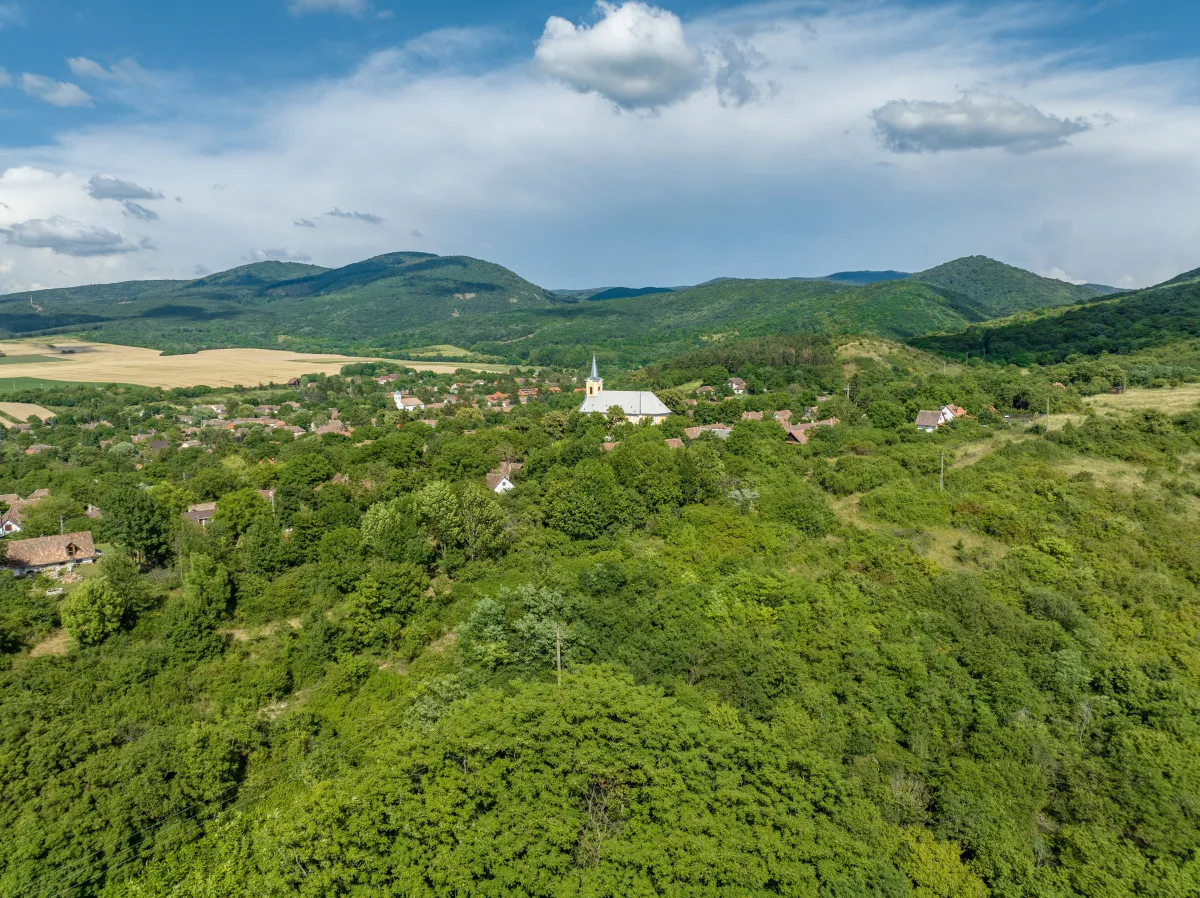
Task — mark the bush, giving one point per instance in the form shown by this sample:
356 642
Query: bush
93 611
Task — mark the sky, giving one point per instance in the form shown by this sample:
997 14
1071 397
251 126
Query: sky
591 145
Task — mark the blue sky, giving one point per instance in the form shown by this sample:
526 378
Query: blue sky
589 144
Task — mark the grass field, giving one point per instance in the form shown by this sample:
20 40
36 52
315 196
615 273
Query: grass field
20 411
110 363
1166 400
27 359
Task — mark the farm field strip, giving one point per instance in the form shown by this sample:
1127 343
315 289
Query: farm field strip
111 363
1168 400
20 411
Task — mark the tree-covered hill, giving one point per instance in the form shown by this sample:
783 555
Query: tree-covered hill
1001 289
1131 322
361 305
398 302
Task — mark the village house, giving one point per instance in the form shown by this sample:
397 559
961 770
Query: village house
636 405
13 519
752 416
200 514
38 448
929 421
720 431
797 434
784 416
499 480
50 555
738 386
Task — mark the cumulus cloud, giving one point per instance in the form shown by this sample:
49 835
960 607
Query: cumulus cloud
738 61
977 120
366 217
56 93
108 187
138 211
126 71
65 237
637 56
348 7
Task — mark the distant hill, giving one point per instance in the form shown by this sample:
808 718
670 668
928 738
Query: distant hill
862 278
1127 323
399 302
1001 289
375 303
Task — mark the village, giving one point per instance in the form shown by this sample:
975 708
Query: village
398 399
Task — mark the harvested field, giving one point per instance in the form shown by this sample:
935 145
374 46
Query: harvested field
110 363
56 644
20 411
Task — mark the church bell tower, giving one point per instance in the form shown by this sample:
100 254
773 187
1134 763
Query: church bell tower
595 384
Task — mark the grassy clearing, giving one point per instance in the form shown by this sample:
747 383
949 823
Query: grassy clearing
1168 400
57 643
110 363
27 359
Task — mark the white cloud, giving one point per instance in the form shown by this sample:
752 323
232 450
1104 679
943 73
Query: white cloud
5 78
126 71
636 56
10 14
505 164
66 237
56 93
277 255
349 7
108 187
976 120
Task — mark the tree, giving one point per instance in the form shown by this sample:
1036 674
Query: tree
135 520
886 414
192 619
93 611
438 513
239 509
482 519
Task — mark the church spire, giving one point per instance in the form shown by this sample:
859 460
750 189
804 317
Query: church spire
595 373
594 383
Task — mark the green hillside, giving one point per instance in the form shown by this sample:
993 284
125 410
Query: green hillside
365 305
1001 289
394 303
1135 321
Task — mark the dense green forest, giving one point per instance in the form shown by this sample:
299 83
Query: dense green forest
1155 317
884 663
401 302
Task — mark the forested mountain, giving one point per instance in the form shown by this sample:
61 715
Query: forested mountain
1001 289
1143 319
882 664
371 303
403 301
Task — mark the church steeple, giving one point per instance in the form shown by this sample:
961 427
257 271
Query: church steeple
595 384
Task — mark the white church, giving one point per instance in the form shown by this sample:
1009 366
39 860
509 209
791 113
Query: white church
638 405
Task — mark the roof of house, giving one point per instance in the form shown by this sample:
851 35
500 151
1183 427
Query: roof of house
798 433
752 416
720 430
45 551
504 472
202 512
674 443
929 419
631 402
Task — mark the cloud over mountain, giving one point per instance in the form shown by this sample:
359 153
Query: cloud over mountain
366 217
977 120
107 187
126 71
68 238
348 7
56 93
636 56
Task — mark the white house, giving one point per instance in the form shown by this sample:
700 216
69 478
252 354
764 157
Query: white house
637 405
498 480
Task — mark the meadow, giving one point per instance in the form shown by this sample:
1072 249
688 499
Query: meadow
112 363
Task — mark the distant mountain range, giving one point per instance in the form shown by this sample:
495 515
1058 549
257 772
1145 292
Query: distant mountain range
400 302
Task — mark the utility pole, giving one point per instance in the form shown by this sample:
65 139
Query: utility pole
847 392
558 651
61 526
942 474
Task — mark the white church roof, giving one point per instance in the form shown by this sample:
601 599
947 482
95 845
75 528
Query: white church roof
633 403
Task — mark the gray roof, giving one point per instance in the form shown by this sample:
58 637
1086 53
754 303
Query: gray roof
631 402
929 419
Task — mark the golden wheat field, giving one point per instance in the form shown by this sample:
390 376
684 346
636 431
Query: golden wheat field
20 411
110 363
